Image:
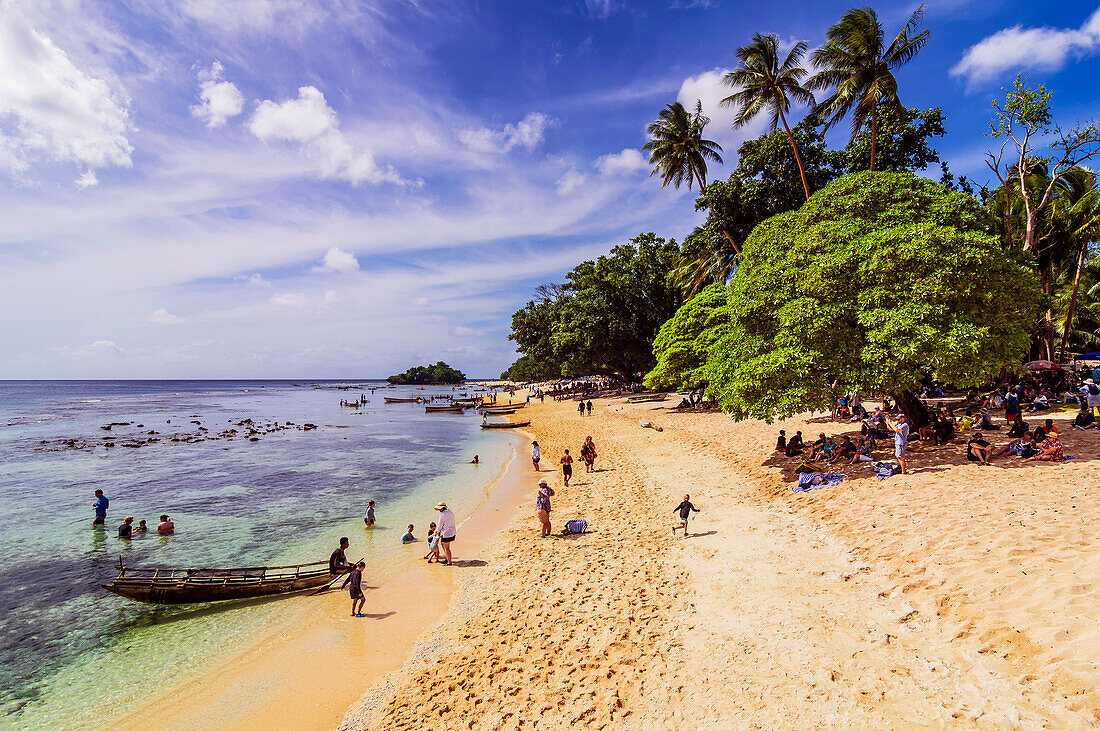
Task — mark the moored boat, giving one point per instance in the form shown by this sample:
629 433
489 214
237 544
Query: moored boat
392 400
193 586
441 409
505 425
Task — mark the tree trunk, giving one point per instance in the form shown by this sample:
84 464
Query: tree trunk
874 135
1072 302
710 212
913 409
1008 215
797 156
1046 282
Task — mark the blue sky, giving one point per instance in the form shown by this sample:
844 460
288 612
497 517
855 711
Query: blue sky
281 188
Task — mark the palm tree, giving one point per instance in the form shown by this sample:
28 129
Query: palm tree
765 83
678 150
1077 211
859 67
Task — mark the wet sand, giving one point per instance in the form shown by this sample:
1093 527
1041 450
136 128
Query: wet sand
307 670
955 596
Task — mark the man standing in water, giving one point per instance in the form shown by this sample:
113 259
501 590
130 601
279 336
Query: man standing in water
101 504
368 517
447 530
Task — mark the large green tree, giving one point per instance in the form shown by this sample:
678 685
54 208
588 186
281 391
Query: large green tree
683 343
858 66
767 84
877 279
603 320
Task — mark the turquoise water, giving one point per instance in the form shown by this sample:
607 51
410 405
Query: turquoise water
70 652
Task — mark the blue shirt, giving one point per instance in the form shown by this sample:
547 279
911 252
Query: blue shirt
101 504
408 538
901 436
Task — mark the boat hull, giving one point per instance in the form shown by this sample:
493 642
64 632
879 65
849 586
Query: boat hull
195 586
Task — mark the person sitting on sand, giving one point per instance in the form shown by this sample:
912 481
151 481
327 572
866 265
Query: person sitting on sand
1084 418
781 442
863 453
408 536
142 527
978 449
126 529
844 451
794 445
685 509
368 517
1050 451
1019 426
1024 447
567 467
966 422
338 561
355 579
1040 403
1041 432
166 527
986 422
818 447
542 506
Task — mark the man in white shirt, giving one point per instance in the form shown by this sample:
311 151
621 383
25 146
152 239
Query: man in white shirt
447 530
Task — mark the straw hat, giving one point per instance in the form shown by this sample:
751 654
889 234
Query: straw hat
441 506
543 481
1090 382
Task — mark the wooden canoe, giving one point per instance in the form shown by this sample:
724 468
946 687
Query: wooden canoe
443 409
507 425
192 586
497 407
392 400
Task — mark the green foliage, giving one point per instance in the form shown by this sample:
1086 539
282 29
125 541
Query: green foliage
602 321
903 143
682 345
877 278
530 369
420 375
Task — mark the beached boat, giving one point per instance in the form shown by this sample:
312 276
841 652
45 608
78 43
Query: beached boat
647 397
192 586
505 425
497 407
392 400
501 412
440 409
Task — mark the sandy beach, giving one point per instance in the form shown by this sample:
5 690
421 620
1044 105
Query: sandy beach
956 595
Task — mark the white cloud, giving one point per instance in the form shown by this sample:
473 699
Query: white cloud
338 260
463 331
627 162
601 8
708 88
570 181
329 299
1024 48
103 347
161 316
255 280
310 122
295 300
218 99
421 302
51 109
87 179
528 133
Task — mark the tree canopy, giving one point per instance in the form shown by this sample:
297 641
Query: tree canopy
438 373
877 279
682 345
604 318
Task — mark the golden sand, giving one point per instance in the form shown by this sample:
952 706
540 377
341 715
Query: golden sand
957 595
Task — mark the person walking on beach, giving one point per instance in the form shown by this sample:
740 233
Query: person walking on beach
588 454
901 440
685 509
536 455
581 408
590 408
101 504
368 517
567 467
338 561
447 530
542 506
355 578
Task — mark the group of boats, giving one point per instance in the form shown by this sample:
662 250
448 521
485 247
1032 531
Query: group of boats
458 404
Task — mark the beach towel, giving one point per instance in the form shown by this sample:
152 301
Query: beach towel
883 470
576 525
806 481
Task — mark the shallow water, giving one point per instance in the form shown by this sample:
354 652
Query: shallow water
69 650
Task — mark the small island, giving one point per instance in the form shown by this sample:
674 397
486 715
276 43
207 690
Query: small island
430 374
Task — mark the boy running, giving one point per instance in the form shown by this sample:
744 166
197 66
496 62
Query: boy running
685 508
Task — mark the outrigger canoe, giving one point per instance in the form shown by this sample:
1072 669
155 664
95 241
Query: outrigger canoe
505 425
443 409
192 586
496 407
391 400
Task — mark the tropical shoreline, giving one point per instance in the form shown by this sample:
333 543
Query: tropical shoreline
868 604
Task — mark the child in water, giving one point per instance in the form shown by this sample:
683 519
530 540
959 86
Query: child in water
355 578
368 518
408 537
